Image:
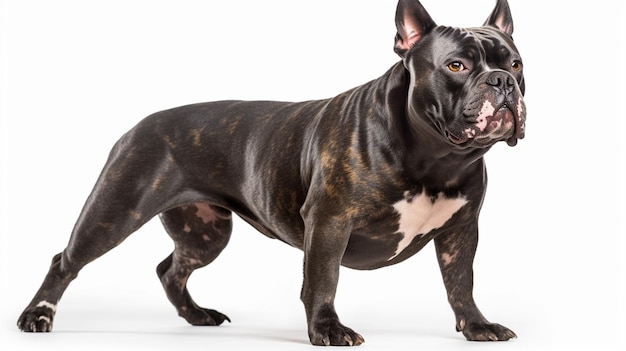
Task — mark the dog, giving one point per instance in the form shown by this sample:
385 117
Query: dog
364 179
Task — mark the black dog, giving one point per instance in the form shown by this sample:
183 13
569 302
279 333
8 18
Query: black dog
364 179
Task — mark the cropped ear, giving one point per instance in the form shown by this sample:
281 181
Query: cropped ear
412 22
501 18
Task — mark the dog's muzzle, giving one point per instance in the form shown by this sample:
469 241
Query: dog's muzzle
497 113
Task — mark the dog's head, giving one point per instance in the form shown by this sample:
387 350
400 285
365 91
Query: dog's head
466 83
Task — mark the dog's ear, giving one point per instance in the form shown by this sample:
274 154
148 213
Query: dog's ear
412 22
501 18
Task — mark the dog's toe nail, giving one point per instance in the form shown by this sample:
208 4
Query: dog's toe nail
326 340
360 339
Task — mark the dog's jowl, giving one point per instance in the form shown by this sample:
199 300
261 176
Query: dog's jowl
364 179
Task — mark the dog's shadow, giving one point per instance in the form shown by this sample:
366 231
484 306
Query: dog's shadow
157 327
291 336
151 327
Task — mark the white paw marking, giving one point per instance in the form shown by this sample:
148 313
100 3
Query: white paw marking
47 304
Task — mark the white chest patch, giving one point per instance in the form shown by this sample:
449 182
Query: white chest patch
423 213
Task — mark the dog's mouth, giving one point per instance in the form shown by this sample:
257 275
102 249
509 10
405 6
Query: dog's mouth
489 125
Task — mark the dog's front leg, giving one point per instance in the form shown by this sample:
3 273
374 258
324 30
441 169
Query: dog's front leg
325 241
455 252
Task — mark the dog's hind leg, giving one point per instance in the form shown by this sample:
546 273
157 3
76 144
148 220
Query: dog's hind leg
130 191
109 217
200 233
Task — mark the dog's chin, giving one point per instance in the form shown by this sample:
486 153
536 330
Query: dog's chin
469 139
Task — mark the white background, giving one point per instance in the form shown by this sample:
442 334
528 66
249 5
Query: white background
77 74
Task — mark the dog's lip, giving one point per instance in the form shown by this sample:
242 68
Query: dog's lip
511 136
512 141
465 142
516 130
454 138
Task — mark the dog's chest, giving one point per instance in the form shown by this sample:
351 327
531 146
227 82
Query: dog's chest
422 213
404 226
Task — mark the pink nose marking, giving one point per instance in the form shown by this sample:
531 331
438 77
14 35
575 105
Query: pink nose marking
485 112
520 115
520 107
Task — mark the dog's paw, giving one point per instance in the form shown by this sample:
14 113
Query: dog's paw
37 319
333 333
475 331
204 317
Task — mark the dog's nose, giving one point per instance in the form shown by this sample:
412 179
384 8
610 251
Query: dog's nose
502 82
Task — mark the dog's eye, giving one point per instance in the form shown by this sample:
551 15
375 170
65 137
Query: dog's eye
455 66
516 66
